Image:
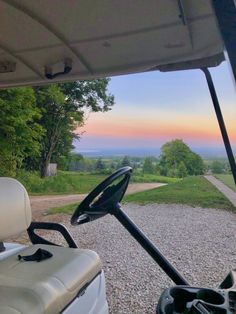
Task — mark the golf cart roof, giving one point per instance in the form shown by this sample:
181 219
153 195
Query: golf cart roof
63 40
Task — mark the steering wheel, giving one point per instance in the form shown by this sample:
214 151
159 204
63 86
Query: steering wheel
108 195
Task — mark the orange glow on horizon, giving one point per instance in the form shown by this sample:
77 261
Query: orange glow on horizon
188 127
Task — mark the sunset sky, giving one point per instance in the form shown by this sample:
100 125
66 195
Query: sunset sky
152 108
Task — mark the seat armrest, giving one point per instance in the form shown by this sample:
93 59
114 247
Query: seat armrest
36 239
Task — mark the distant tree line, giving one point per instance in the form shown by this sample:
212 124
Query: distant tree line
176 160
218 166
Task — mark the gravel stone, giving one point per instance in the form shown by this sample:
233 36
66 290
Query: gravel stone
199 242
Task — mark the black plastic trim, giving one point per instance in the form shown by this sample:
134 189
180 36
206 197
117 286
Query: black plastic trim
36 239
221 122
226 17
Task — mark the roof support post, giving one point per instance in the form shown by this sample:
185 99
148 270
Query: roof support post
220 121
226 15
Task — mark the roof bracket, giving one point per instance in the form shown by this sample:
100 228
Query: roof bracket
67 68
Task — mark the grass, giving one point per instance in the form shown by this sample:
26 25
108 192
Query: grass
67 209
227 179
69 182
146 178
63 183
194 191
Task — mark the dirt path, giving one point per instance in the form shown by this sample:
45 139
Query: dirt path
40 204
230 194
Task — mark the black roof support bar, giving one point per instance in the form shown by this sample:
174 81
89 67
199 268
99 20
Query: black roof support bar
220 121
226 15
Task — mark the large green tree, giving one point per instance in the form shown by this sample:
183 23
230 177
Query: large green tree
20 132
63 109
177 159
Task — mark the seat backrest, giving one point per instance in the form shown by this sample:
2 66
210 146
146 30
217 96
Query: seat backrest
15 211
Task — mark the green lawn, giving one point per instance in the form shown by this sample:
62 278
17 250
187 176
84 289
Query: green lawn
194 191
227 179
67 209
69 182
141 178
62 183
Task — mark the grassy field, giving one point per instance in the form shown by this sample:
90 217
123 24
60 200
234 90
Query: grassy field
67 209
227 179
193 191
67 182
146 178
63 183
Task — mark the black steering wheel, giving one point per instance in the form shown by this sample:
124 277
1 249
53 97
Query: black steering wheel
109 197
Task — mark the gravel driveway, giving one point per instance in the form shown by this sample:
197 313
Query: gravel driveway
201 243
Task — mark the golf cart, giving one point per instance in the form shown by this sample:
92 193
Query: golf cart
44 42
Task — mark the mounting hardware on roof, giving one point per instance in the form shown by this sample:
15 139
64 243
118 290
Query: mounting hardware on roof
67 68
2 247
7 66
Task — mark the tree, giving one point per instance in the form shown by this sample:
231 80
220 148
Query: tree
99 165
194 164
69 162
182 170
62 107
176 152
125 162
20 132
148 165
217 167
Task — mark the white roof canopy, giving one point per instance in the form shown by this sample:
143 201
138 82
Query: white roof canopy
89 38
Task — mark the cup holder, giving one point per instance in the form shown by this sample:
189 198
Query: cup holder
210 296
182 296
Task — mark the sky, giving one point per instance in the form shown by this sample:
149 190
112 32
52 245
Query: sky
153 108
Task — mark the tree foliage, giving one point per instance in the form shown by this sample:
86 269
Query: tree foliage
217 167
177 160
148 166
62 107
38 124
125 162
99 165
20 131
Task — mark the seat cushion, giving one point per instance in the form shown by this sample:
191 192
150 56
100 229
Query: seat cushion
47 286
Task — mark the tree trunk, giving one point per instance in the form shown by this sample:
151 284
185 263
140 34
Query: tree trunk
49 150
45 163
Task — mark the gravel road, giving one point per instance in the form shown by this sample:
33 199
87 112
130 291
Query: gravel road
201 243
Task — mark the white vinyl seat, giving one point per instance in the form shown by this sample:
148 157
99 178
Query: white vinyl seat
38 287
